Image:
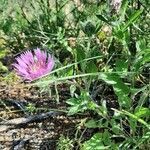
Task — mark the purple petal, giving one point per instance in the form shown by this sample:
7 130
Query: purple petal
31 66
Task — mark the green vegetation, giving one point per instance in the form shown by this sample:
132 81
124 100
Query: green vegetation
98 53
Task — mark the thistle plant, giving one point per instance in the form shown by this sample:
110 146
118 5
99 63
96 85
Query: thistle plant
31 65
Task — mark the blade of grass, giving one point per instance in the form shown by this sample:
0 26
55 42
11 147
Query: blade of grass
124 112
132 19
103 76
70 65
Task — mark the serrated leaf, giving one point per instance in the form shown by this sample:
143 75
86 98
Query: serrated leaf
120 89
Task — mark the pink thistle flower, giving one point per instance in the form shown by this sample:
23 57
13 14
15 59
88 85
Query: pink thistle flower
31 66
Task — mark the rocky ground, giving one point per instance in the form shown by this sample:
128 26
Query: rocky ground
33 121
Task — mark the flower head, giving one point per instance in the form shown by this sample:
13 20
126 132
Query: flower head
32 65
116 4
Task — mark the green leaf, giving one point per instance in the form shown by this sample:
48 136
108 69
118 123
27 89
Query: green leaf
3 53
115 126
91 67
107 79
80 54
67 72
144 138
120 89
79 104
120 86
106 138
133 117
123 9
142 58
89 28
91 123
73 110
73 101
121 65
102 18
119 34
95 143
146 57
142 112
132 19
3 68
